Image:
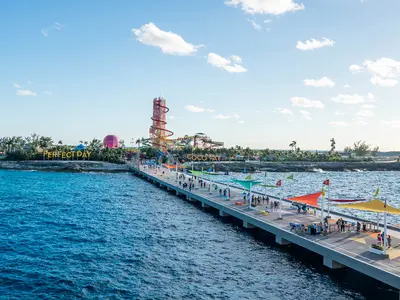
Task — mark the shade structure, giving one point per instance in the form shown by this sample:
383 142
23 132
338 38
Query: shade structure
310 199
269 186
246 183
347 200
373 205
199 173
170 167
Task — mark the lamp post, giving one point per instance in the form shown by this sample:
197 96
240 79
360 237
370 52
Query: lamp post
280 205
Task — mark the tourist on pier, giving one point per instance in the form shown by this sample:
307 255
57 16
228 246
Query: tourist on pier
220 192
379 239
358 227
267 199
389 241
342 226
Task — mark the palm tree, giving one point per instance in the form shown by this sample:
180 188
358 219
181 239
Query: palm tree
138 142
60 142
293 145
333 146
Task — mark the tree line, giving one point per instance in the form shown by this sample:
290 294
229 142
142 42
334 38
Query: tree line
32 147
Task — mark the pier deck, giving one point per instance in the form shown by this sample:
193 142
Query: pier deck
347 249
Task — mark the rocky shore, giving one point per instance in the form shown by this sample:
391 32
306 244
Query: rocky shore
253 166
65 166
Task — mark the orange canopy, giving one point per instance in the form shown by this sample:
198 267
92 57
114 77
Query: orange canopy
311 199
170 166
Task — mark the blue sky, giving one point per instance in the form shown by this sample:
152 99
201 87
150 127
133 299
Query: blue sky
82 69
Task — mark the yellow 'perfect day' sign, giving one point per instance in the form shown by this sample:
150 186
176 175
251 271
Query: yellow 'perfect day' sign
67 155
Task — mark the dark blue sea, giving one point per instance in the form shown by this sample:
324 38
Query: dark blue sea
114 236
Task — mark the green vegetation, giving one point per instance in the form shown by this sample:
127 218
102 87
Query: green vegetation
32 147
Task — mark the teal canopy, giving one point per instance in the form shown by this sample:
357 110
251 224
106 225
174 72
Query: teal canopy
247 183
269 186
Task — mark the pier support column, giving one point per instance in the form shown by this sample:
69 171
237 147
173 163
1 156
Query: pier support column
328 262
177 193
188 198
223 214
281 241
168 189
204 205
247 225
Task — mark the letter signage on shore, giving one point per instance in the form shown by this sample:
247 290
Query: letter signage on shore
206 157
70 155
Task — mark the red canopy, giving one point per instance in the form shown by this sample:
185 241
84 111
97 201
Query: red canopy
311 199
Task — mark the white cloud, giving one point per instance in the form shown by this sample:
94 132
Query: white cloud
339 124
254 24
47 93
392 123
304 102
378 81
369 106
360 123
222 117
384 67
55 26
273 7
365 113
346 86
314 44
348 99
236 59
17 86
195 109
340 113
25 93
241 122
230 65
210 110
169 42
323 82
267 21
236 116
355 68
171 117
306 115
284 111
370 98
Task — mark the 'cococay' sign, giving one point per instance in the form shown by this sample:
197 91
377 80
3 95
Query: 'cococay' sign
67 155
206 157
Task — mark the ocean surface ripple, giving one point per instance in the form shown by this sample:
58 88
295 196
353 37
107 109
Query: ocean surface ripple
114 236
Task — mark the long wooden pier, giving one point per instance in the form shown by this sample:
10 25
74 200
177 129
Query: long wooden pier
338 249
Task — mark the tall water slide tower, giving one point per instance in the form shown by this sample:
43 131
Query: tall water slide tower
159 134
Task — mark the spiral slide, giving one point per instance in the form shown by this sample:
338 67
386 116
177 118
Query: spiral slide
159 134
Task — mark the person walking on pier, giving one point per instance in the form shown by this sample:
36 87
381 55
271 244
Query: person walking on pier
379 240
389 241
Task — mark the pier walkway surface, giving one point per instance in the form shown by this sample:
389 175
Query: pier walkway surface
338 249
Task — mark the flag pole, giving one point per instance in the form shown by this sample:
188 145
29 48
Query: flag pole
265 184
329 201
280 204
384 231
322 206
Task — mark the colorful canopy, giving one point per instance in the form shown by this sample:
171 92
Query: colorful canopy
170 166
199 173
374 205
246 183
347 200
269 186
311 199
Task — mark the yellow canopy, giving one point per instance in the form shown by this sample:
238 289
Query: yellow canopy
374 205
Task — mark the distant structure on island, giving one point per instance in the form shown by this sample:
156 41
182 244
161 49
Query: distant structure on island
111 141
159 133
